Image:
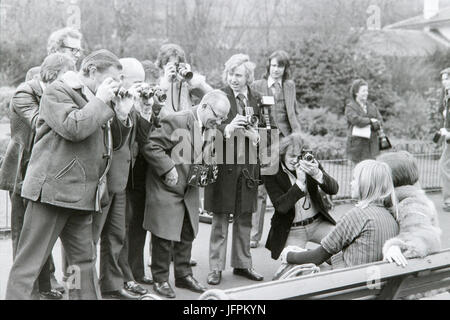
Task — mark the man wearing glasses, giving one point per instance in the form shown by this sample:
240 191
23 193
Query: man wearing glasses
66 40
171 212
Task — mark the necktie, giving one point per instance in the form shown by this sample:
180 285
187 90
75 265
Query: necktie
241 104
276 89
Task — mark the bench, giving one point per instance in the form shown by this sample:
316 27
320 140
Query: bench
380 281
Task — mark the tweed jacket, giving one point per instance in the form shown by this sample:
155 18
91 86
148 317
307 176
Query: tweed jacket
292 125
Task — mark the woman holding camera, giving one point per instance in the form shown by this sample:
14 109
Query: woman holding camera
359 236
364 123
300 212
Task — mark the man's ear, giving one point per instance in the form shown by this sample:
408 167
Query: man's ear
92 72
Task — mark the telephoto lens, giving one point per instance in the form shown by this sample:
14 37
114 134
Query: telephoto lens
184 72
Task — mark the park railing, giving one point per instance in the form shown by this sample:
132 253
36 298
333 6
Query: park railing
341 170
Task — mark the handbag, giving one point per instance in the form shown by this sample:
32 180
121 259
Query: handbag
383 141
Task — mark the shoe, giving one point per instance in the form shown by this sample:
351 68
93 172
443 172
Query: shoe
121 294
51 295
192 263
254 244
56 285
249 274
446 208
214 277
190 283
145 280
132 286
164 289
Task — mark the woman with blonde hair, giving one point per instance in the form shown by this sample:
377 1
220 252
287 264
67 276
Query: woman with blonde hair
361 232
417 216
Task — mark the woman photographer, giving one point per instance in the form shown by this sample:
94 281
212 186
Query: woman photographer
300 213
364 122
359 236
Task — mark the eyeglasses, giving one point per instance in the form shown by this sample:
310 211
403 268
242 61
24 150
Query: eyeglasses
218 118
73 50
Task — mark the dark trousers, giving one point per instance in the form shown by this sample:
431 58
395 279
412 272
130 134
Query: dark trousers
42 226
18 207
136 233
124 262
162 252
109 230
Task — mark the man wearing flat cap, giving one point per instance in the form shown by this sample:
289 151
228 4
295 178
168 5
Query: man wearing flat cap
71 152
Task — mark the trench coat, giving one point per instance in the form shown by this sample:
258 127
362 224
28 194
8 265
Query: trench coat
166 205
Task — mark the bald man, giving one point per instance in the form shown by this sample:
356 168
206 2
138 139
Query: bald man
109 227
171 212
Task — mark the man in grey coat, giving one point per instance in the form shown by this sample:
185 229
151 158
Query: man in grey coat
171 212
69 157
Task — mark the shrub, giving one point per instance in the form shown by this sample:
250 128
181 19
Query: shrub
321 122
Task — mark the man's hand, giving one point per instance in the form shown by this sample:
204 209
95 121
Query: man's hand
107 90
171 178
394 254
123 106
238 122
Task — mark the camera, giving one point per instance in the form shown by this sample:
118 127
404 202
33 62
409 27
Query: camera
147 93
306 155
183 72
252 121
122 92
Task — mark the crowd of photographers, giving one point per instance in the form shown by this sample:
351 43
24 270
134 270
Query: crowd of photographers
103 154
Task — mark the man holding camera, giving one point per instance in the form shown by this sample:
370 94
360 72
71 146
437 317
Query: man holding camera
444 162
177 79
171 212
239 177
62 178
282 116
110 227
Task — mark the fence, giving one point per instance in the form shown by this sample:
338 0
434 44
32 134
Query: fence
341 170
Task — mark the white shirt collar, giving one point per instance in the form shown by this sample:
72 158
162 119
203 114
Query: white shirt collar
271 81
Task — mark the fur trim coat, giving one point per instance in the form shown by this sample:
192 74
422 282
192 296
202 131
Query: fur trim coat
419 227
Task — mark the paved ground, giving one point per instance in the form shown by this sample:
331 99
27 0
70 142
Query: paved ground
261 258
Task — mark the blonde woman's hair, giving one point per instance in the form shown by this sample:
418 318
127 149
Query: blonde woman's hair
375 184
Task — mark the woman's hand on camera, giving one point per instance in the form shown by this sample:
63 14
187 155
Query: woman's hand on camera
311 168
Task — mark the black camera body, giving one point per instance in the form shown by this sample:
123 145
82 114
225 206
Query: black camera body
145 92
252 121
306 155
183 72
